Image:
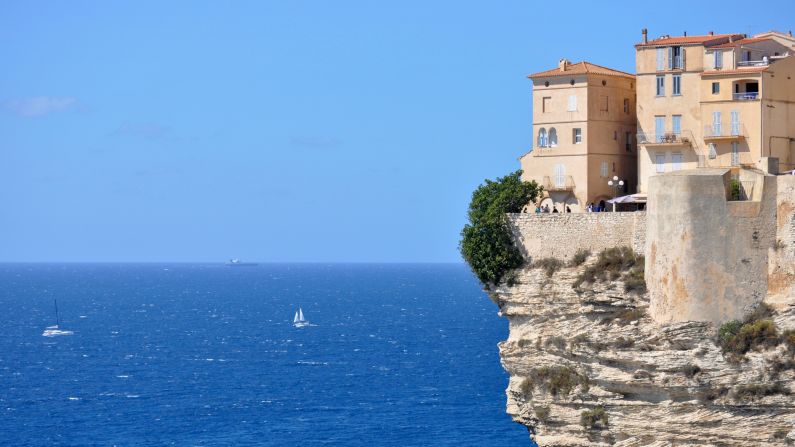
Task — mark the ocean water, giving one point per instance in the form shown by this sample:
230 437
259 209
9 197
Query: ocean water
199 354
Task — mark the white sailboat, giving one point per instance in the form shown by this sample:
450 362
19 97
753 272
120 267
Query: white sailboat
54 331
299 320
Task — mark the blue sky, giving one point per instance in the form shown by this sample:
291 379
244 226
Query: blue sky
290 131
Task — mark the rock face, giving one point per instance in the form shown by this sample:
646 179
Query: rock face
592 357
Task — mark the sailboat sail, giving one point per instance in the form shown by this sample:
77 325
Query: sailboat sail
300 315
295 319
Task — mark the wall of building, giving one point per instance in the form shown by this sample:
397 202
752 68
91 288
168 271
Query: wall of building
778 113
781 268
706 257
561 235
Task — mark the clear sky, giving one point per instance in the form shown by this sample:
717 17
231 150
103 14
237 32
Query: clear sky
328 131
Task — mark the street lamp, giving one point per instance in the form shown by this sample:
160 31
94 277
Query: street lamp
615 183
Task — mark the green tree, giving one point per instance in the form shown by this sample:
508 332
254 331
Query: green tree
486 241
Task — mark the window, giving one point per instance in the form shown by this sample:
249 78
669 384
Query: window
675 58
660 59
659 162
560 176
603 170
713 151
676 162
576 135
542 137
715 88
615 135
603 101
718 59
677 84
572 103
626 105
628 141
659 128
735 114
676 124
553 137
660 85
545 104
735 153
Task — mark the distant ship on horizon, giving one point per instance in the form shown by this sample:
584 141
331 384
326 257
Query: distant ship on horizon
234 262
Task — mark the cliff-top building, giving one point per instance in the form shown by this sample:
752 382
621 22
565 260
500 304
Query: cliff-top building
716 100
583 126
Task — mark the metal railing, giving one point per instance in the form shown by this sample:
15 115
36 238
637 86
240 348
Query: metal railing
745 96
764 62
558 183
718 130
682 137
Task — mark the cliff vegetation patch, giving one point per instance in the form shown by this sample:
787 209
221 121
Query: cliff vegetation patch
549 265
486 241
594 419
559 380
612 264
736 338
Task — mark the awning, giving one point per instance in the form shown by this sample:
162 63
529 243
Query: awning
632 198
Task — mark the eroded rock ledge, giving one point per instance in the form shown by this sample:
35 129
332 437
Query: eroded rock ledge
592 357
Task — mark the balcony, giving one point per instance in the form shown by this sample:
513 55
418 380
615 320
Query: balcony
558 183
745 96
670 138
718 131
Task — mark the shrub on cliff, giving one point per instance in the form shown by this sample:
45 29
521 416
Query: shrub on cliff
592 419
737 338
613 263
486 241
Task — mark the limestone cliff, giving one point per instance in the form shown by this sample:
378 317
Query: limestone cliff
590 356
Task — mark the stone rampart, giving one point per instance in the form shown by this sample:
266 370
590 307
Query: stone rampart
560 235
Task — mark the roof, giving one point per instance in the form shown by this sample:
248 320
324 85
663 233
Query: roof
746 41
735 72
687 40
580 68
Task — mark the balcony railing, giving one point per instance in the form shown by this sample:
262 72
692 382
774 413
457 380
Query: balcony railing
682 137
764 62
745 96
724 130
558 183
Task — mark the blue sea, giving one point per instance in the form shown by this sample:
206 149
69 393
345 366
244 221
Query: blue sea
200 354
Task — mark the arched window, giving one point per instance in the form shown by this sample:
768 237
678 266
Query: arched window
542 137
553 137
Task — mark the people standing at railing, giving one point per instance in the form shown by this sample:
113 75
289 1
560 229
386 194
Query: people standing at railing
538 209
555 209
568 210
589 208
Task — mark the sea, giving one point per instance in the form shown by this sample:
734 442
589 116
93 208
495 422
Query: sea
206 354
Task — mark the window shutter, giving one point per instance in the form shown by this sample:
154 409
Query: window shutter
660 59
572 103
670 58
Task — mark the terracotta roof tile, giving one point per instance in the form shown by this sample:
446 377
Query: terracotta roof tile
685 40
580 68
745 41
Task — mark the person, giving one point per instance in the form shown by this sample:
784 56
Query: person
568 210
555 209
589 208
538 209
546 208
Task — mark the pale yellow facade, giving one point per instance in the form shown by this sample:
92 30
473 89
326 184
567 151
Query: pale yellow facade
583 132
715 101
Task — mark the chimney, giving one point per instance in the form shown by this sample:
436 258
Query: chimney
563 64
731 38
645 33
711 33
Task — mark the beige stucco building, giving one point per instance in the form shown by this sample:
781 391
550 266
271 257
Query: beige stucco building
717 100
583 127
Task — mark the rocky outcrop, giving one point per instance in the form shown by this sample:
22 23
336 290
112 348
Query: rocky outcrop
588 367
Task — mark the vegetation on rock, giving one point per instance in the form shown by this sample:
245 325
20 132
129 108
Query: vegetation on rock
736 338
758 391
550 265
593 419
486 241
579 257
612 264
559 380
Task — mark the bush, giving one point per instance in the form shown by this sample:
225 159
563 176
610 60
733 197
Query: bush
611 264
559 380
579 257
558 342
635 280
593 419
734 188
550 265
690 371
542 413
758 391
624 343
736 338
486 241
789 339
527 386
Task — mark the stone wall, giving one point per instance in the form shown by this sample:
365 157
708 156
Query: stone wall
560 235
707 257
781 270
